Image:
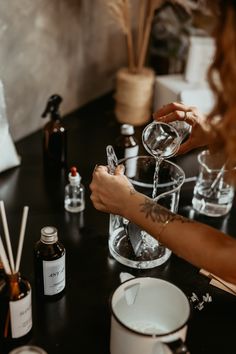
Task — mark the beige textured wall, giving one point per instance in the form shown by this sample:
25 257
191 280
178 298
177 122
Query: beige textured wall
69 47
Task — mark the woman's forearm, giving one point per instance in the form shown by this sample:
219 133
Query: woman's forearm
200 244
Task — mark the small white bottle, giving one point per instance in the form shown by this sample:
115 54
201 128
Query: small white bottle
127 147
126 144
74 193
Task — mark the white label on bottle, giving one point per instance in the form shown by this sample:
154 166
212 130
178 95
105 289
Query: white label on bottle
54 279
21 316
131 151
131 165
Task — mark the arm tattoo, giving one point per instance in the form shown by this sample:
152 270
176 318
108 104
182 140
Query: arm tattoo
159 214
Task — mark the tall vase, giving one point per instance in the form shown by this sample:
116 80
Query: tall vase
134 96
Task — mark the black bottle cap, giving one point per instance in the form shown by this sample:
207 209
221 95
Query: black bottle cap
52 107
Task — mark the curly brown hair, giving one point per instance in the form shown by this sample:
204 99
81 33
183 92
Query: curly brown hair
222 79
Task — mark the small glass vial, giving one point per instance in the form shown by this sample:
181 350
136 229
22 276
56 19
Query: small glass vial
15 310
49 260
74 193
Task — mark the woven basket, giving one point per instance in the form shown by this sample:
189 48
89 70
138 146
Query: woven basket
134 96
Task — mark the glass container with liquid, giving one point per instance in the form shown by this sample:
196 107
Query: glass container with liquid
161 140
161 181
149 252
213 195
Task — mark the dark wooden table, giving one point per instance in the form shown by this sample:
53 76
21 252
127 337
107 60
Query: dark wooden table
80 321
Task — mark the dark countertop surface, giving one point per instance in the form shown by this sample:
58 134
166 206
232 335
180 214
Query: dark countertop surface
79 322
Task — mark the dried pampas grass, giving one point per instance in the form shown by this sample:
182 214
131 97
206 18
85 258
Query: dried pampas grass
121 13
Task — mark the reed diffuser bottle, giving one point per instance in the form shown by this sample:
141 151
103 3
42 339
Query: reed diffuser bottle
15 309
49 260
15 297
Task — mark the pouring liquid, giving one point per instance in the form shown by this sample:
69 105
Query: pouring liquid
162 141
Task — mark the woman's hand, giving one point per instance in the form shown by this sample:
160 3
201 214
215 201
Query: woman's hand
178 111
110 192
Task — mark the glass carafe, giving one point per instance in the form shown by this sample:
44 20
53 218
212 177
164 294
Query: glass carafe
151 252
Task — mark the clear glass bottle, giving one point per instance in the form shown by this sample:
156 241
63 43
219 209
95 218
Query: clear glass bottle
74 193
127 146
49 261
15 311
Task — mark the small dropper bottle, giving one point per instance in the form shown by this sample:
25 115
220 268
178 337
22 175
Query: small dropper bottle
74 192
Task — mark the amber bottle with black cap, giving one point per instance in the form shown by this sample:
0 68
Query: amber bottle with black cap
54 135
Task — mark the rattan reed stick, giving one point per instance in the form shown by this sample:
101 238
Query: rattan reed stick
4 258
153 5
141 22
7 235
21 237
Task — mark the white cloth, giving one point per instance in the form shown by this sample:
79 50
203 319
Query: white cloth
8 154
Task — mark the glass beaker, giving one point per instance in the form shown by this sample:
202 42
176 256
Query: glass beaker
213 195
163 140
151 252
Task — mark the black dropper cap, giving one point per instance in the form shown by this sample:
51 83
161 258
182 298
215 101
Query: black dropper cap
52 107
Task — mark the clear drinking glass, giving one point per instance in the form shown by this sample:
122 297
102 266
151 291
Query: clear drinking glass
213 195
150 253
